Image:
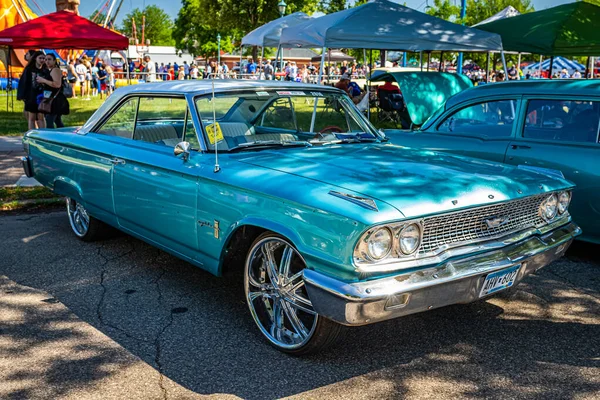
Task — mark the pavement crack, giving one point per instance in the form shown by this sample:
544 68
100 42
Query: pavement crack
157 346
100 304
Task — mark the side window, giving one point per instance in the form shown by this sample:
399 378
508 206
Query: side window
566 121
122 122
279 114
160 120
189 134
491 119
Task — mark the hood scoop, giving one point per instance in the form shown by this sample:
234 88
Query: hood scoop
364 202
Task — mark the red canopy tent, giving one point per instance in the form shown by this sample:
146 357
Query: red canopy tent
62 30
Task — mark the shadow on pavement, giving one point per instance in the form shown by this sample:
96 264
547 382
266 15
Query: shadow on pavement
195 330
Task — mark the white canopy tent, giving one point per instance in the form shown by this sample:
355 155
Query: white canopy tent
268 35
508 12
381 24
384 25
558 65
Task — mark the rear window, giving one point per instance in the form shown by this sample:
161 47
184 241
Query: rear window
563 120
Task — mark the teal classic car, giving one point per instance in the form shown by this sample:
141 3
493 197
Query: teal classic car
290 187
543 124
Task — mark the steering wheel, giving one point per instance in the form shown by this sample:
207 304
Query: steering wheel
332 128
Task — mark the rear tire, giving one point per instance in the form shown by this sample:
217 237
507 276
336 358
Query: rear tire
84 226
278 299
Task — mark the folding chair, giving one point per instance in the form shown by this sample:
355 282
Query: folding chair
389 107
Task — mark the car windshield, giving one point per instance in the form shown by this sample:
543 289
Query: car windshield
281 118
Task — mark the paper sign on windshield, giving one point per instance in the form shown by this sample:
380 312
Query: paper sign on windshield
214 133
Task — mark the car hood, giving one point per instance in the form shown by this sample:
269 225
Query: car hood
415 182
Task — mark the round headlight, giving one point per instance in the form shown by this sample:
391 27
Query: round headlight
379 244
549 207
410 239
564 198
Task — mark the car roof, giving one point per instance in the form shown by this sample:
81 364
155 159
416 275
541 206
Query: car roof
553 87
204 86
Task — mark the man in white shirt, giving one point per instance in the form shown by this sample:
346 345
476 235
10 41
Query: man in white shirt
81 71
150 69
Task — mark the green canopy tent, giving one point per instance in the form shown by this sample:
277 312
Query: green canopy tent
425 92
566 30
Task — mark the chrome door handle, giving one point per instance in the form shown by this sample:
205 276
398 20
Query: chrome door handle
117 161
518 146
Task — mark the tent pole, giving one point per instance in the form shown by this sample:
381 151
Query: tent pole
241 55
551 66
487 68
428 60
127 68
587 68
404 59
367 79
519 67
541 57
421 60
276 60
504 65
262 60
329 65
441 61
314 115
592 64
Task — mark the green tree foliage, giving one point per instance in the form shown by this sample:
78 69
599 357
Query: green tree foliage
477 11
199 21
444 9
158 28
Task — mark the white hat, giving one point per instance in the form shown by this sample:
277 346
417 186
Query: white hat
345 76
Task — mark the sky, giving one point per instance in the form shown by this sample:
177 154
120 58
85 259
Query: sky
87 7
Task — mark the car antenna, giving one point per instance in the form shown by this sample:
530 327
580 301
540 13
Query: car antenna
214 128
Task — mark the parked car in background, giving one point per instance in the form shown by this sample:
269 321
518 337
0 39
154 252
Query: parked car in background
544 124
325 223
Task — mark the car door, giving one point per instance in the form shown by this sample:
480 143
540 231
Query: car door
479 129
155 192
562 134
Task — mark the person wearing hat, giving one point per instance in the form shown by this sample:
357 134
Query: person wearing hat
564 74
344 84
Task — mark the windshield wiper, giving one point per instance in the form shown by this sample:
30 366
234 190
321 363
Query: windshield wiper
268 143
353 139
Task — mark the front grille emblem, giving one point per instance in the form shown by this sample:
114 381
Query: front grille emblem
497 221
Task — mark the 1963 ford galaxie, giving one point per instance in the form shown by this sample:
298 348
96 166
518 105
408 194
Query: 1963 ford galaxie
292 188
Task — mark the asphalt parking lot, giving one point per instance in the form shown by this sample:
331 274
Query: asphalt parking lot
121 319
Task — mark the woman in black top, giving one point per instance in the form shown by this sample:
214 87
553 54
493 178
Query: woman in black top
30 91
52 82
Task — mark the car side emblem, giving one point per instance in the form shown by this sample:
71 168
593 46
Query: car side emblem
496 221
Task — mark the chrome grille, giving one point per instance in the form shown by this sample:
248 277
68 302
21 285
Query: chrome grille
470 225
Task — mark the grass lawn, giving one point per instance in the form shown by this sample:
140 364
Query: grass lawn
13 122
27 198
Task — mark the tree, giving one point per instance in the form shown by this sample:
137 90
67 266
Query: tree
477 11
158 28
199 21
444 9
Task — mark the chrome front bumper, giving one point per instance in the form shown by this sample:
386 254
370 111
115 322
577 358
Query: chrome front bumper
452 282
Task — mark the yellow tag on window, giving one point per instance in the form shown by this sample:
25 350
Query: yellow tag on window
214 133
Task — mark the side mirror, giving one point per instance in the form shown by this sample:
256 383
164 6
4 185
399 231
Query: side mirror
182 149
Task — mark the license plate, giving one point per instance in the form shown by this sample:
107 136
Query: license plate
499 280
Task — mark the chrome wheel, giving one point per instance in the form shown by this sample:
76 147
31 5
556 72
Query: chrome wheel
78 217
276 294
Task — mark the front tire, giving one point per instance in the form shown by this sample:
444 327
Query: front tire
84 226
278 299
